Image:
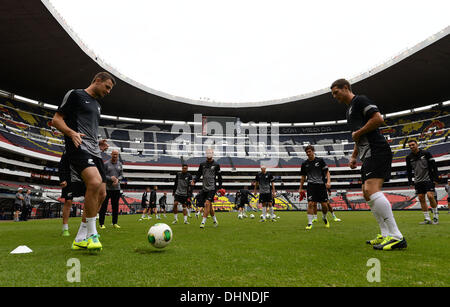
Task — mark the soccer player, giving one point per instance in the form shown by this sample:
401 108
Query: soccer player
153 202
145 203
78 118
212 180
18 204
181 192
114 174
72 186
199 205
26 206
243 201
425 173
266 184
315 172
364 118
162 202
330 208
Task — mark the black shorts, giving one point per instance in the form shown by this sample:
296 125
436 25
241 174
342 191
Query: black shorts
208 195
265 198
144 205
424 187
316 192
75 189
181 199
241 204
82 160
152 205
377 166
17 207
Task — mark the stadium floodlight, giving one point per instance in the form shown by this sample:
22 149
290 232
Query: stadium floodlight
303 124
129 119
50 106
5 94
281 124
108 117
332 122
153 121
397 113
174 122
24 99
425 107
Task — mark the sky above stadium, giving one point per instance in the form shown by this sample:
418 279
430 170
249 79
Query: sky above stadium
249 50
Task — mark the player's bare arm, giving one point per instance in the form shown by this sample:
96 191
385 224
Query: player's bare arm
373 123
59 123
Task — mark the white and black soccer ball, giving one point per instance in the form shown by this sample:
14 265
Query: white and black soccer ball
160 235
252 216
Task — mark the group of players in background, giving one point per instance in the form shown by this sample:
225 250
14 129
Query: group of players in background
78 118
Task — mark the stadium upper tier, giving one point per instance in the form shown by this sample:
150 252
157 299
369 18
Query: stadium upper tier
36 37
28 126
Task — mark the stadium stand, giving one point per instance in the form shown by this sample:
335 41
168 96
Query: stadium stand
153 152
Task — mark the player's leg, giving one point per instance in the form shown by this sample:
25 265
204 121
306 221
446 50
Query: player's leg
271 214
205 213
103 209
433 205
94 193
381 207
330 209
65 219
324 213
310 214
212 212
185 214
143 214
175 212
264 211
115 208
424 207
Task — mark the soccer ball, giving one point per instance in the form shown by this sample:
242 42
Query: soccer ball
160 235
252 216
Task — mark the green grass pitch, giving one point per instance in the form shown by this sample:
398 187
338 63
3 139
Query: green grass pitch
238 253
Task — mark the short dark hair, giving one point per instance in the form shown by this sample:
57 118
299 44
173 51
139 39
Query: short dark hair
412 140
309 147
184 164
104 76
340 83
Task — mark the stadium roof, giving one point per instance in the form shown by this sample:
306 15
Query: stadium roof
42 59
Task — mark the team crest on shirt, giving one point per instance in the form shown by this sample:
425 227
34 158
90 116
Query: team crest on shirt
317 164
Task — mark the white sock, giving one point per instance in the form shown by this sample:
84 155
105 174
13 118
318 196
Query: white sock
324 217
383 227
65 227
82 232
315 216
143 216
271 211
175 216
188 212
214 219
185 218
435 212
91 227
204 220
264 210
332 214
426 214
383 208
310 218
